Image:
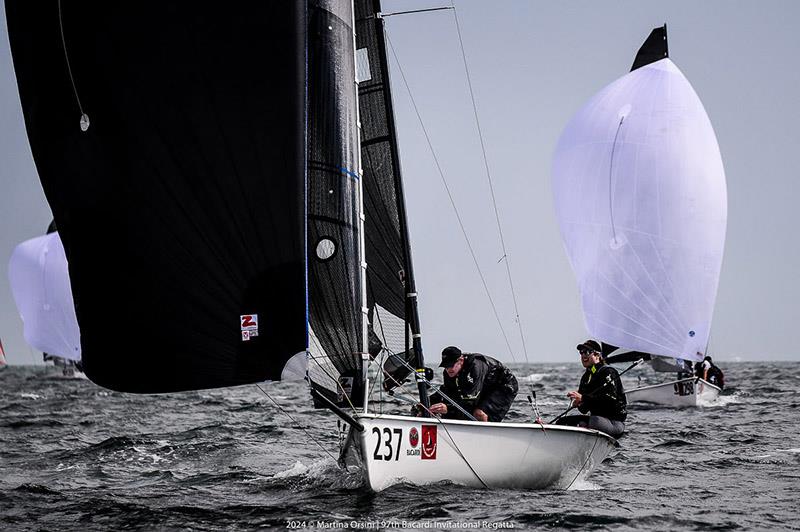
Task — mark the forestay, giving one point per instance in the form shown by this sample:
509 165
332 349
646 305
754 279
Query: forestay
640 197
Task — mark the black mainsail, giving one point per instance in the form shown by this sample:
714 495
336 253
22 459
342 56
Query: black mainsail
190 181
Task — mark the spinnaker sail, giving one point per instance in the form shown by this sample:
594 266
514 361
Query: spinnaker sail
640 196
176 174
37 272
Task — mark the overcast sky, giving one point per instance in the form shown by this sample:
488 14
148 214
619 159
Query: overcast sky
533 65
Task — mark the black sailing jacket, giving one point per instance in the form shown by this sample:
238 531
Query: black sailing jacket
480 376
602 393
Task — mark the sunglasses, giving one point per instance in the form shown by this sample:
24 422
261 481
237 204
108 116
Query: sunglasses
585 353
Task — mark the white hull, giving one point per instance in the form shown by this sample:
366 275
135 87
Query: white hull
682 393
496 455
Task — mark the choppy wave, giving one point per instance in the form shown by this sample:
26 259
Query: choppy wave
75 456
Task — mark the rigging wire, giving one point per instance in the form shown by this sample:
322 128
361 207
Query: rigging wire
450 196
84 116
444 426
384 15
339 384
296 422
504 258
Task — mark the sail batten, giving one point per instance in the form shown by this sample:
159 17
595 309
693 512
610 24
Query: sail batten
640 197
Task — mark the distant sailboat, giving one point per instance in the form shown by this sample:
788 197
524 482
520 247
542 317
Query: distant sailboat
3 363
221 179
640 196
39 279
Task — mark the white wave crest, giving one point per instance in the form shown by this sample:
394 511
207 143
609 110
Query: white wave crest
534 377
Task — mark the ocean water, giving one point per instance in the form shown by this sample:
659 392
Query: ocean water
74 456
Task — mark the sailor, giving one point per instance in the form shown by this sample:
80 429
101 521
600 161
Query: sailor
709 372
479 384
599 394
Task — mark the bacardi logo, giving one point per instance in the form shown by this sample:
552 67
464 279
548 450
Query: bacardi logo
429 442
413 437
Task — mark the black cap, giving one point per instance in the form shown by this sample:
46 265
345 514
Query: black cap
589 345
449 356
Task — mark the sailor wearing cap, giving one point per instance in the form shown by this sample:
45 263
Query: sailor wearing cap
599 394
479 384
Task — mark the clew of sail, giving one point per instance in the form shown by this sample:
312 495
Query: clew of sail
37 272
640 197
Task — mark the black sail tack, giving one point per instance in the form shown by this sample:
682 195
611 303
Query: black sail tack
653 49
181 208
334 269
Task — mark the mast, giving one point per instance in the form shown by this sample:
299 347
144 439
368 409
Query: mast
362 256
411 306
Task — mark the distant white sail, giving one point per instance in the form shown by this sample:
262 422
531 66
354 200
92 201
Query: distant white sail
3 362
41 288
640 198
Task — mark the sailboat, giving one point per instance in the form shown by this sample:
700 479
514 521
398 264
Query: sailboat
640 196
227 189
37 273
3 363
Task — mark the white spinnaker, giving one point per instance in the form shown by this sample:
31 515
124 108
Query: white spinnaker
40 284
640 197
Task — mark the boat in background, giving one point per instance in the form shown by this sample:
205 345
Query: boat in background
39 278
218 214
640 196
685 390
3 363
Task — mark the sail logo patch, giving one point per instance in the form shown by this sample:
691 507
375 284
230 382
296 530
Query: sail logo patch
429 442
249 324
413 437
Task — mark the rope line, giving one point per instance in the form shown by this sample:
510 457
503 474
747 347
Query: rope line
491 184
450 196
84 116
296 422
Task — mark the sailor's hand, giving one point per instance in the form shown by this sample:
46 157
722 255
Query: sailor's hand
539 420
576 398
480 415
438 408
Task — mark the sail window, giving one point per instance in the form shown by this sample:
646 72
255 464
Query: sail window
326 249
363 72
